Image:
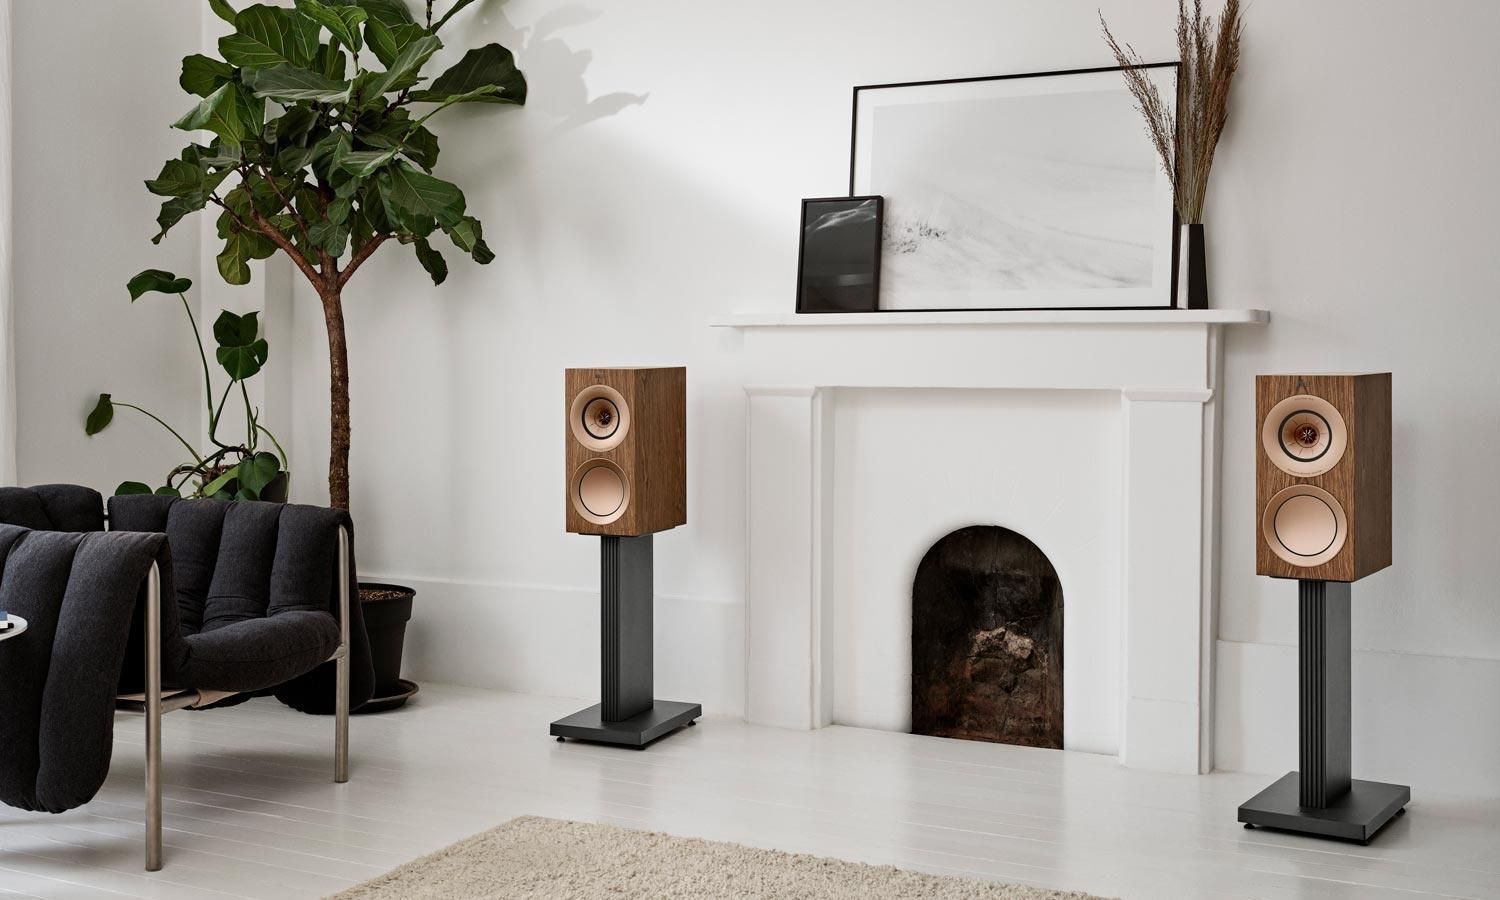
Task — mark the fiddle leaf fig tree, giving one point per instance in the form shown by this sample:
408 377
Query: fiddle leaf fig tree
321 150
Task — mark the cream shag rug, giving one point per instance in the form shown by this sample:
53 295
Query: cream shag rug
535 857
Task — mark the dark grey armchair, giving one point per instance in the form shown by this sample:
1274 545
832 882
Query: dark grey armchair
262 597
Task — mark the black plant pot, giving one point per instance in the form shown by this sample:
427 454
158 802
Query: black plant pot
276 491
1192 269
387 609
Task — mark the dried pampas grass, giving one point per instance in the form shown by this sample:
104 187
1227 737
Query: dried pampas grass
1210 54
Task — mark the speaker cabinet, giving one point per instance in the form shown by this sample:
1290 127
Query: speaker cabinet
626 450
1323 476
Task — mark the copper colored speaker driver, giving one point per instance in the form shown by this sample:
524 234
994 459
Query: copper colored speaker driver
599 491
1304 436
1304 525
599 417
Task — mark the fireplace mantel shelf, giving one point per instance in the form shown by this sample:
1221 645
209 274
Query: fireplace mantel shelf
1000 317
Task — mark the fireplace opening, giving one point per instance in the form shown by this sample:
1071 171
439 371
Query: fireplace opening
987 640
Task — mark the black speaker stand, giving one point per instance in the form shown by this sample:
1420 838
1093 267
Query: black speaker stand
628 715
1321 799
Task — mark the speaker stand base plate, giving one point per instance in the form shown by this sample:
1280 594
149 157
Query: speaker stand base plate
663 718
1356 816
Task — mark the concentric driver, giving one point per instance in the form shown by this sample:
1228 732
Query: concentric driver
599 491
599 417
1304 436
1304 525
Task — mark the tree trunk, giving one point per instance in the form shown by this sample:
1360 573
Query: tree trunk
338 397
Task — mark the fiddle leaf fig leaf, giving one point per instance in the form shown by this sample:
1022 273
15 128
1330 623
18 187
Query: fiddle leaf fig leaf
267 36
341 21
289 83
218 112
174 211
365 162
158 281
452 10
127 488
223 10
412 195
468 236
242 352
491 66
99 417
402 72
431 260
391 12
387 40
202 75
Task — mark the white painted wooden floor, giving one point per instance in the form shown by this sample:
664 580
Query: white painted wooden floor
251 810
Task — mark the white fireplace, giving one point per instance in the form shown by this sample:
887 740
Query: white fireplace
1094 434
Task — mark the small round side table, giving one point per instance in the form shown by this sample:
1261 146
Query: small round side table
18 625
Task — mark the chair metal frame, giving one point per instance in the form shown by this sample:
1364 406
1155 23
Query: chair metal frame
154 705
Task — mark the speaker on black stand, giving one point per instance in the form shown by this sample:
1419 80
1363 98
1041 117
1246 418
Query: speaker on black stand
1323 495
627 479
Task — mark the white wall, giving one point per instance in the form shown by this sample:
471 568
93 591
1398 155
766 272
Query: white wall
1356 196
94 94
652 184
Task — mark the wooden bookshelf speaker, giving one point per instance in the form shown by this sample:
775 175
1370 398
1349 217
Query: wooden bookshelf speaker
1323 517
626 450
626 458
1323 476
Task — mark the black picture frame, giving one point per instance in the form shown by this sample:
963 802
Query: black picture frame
1171 275
838 258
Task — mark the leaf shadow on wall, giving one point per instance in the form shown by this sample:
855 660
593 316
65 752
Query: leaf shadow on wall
556 71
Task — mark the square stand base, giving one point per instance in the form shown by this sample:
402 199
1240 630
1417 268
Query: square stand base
663 718
1356 816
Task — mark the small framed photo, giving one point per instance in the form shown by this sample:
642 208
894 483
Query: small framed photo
1032 191
838 264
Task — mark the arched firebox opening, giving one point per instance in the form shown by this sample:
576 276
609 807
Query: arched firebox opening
987 640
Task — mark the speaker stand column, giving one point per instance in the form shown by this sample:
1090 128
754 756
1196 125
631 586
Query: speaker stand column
627 714
1321 799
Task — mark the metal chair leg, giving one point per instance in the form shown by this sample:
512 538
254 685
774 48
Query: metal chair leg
153 720
341 667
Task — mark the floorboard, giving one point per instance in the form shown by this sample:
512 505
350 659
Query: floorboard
251 811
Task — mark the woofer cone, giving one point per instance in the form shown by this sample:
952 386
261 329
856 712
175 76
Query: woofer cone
1304 436
1304 526
599 491
599 418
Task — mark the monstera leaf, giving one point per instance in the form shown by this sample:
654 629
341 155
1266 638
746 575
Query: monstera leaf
157 281
99 419
242 351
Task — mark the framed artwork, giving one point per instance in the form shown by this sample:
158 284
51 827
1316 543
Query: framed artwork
838 263
1037 191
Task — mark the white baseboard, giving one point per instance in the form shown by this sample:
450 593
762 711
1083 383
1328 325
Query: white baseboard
1427 721
545 640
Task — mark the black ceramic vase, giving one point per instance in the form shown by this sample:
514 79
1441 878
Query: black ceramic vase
1192 269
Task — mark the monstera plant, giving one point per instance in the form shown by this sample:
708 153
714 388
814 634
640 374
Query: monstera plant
321 150
239 471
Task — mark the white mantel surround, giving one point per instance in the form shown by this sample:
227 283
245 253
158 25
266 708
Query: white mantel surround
1154 450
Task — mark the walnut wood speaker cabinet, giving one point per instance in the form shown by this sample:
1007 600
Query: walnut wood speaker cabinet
626 440
1323 476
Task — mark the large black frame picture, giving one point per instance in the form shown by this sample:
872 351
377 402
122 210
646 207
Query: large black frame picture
838 259
1028 191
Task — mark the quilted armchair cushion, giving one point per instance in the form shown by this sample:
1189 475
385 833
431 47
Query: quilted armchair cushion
52 507
79 594
256 592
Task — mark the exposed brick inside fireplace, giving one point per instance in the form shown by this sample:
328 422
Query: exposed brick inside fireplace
987 630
